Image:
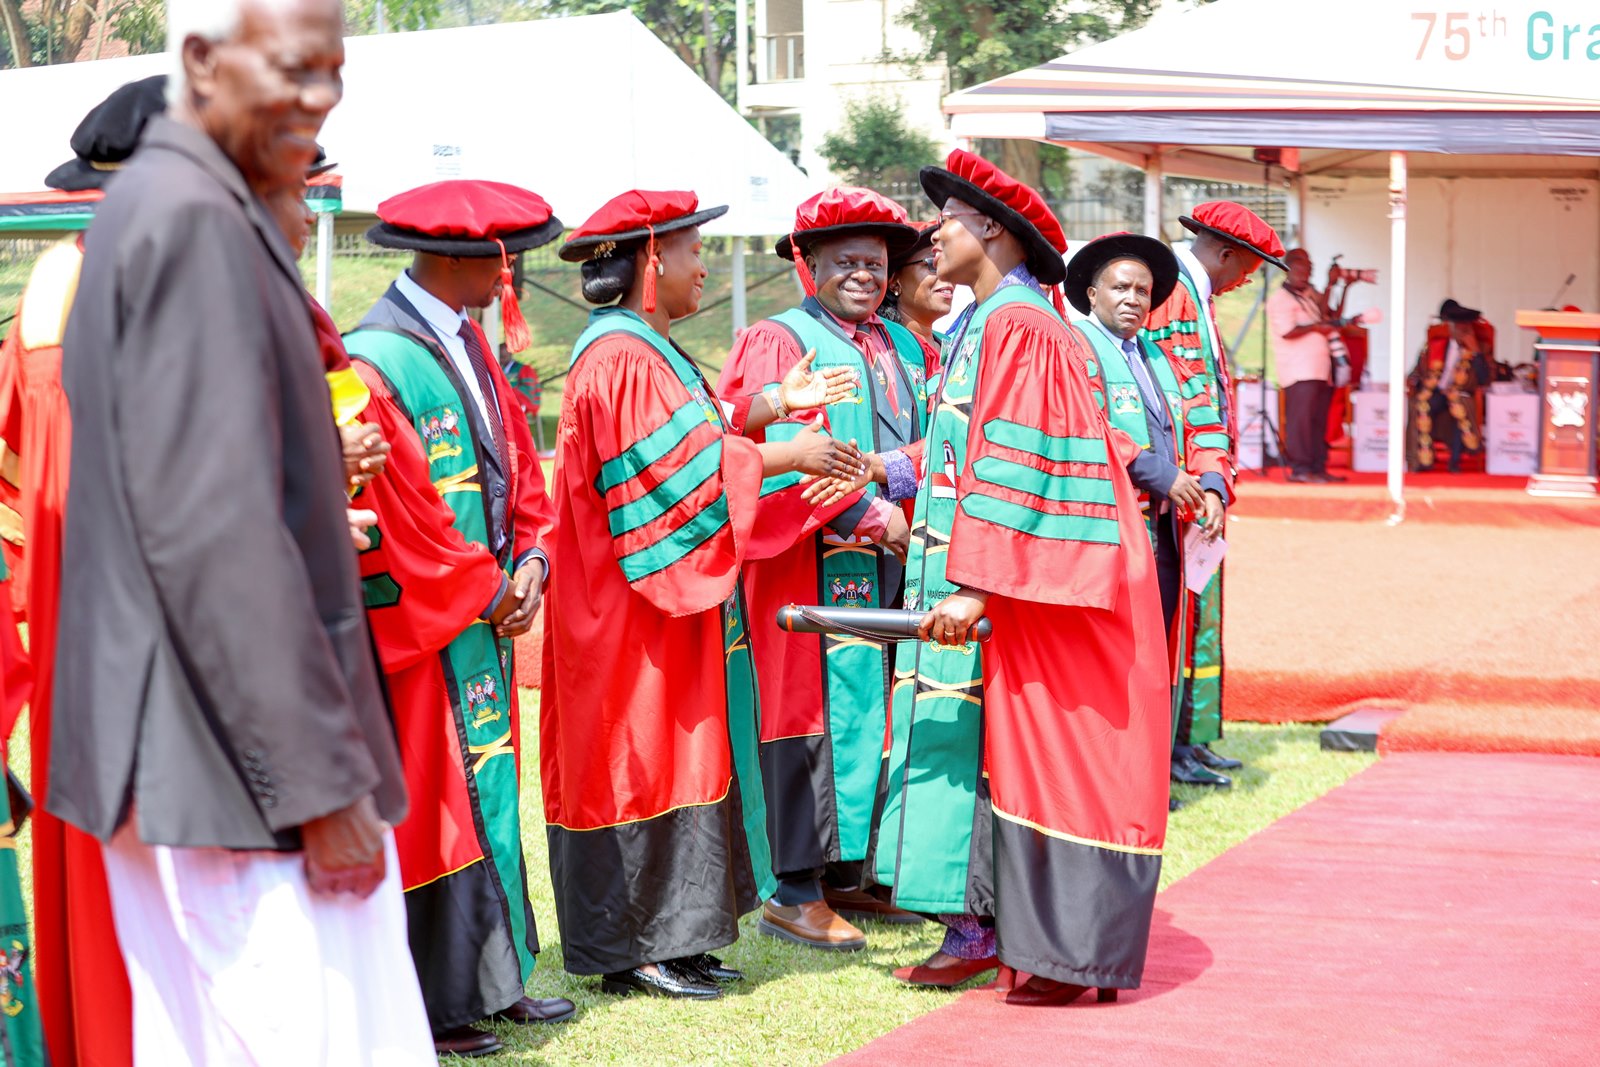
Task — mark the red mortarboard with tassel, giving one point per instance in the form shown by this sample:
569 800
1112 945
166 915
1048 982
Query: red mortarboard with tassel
973 180
635 215
471 220
840 212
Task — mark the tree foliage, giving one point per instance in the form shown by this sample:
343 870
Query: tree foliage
39 32
979 40
361 16
875 147
701 32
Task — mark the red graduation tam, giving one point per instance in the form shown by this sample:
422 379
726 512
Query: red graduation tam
472 220
848 209
636 215
1239 226
465 218
1087 261
974 180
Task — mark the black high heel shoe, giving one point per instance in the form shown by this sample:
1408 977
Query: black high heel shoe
670 982
710 968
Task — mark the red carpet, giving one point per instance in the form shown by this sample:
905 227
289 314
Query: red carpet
1557 729
1475 499
1436 909
1328 614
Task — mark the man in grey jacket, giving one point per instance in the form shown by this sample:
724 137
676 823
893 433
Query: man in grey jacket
219 720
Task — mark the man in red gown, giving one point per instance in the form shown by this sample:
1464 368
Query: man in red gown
1027 779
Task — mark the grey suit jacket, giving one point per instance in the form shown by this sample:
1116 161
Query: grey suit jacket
214 671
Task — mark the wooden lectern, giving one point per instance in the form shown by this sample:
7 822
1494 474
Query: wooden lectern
1568 348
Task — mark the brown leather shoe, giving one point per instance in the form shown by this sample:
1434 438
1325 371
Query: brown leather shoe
465 1041
859 904
544 1010
813 924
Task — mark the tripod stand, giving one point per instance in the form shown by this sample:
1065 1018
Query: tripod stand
1266 420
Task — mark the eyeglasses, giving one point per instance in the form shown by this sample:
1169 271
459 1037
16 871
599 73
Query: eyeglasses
946 216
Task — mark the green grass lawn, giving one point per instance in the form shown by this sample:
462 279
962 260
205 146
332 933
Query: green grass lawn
800 1006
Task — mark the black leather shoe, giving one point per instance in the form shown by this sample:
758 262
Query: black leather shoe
671 982
538 1010
1332 479
708 967
1190 771
1297 477
1173 804
465 1041
1214 761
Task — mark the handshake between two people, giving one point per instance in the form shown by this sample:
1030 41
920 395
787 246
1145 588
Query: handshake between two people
832 469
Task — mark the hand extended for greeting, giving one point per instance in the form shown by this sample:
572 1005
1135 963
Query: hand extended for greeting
825 491
803 389
951 620
513 616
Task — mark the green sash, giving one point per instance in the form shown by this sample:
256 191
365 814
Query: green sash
925 830
1124 402
848 574
21 1042
1202 668
477 665
744 702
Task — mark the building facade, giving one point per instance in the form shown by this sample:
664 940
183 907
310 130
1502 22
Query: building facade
807 60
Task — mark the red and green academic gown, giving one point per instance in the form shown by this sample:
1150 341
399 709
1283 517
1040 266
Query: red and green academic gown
430 577
21 1037
1028 778
1117 393
82 982
824 698
649 715
1188 336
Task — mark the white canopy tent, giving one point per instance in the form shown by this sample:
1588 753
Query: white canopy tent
576 109
1481 131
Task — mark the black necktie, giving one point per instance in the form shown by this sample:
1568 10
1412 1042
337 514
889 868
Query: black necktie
480 368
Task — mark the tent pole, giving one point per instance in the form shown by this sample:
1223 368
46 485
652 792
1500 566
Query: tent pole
1397 334
325 259
739 315
1152 196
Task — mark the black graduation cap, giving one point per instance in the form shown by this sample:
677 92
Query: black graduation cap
108 135
1450 311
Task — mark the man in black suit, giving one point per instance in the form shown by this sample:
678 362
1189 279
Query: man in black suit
219 719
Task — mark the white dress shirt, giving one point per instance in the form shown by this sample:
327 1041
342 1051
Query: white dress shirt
445 322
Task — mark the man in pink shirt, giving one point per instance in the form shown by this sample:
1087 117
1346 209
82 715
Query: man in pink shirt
1302 349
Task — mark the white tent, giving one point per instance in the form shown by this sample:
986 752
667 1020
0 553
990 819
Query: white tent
1459 151
576 109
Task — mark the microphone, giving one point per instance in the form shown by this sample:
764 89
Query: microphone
1561 292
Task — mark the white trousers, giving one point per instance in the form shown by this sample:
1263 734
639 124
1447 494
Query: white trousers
233 960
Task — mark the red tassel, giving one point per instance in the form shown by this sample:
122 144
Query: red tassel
807 282
513 327
1055 298
652 264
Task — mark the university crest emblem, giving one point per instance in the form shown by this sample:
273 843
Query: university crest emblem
483 700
